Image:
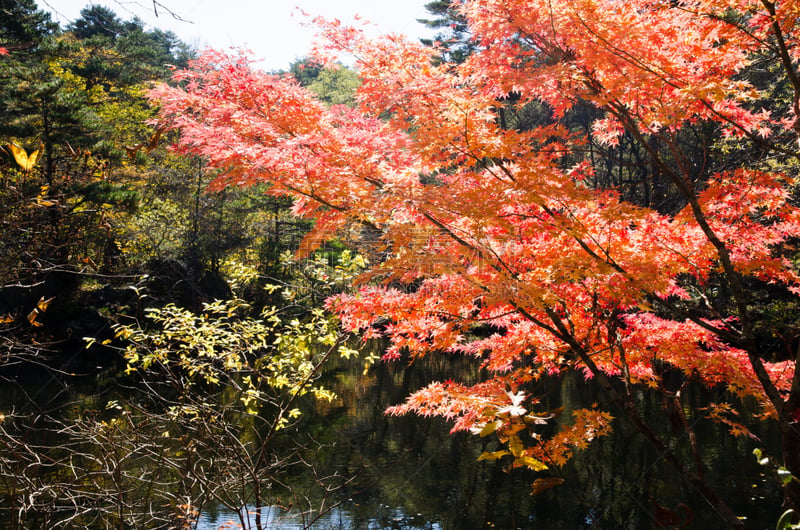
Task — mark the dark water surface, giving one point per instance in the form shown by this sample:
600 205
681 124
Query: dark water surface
412 473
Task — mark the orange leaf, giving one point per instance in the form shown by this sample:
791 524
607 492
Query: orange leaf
543 484
42 304
32 318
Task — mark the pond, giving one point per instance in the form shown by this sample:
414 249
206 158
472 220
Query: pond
412 473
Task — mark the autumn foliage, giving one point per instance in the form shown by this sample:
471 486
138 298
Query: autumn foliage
499 243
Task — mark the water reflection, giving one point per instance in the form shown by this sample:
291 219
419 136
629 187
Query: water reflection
418 466
412 473
276 518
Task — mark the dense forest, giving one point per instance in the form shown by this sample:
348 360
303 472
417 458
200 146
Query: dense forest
108 239
94 202
545 195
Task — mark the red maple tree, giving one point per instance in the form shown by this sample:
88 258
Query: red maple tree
512 232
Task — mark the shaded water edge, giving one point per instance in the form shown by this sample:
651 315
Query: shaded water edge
618 482
410 472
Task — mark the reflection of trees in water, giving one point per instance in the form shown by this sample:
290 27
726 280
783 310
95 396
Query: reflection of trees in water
416 465
408 472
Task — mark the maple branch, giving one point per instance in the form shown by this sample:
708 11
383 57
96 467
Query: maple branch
629 408
732 277
313 196
625 55
612 323
726 334
608 260
673 407
750 134
461 241
786 60
724 20
676 84
632 59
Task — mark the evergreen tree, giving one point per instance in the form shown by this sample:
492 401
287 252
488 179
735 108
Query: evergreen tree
36 107
22 25
97 21
117 52
454 37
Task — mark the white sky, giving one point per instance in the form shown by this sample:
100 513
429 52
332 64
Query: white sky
270 28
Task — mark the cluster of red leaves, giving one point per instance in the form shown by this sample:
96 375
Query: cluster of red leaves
587 425
506 239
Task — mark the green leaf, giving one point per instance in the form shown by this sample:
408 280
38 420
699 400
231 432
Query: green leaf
785 521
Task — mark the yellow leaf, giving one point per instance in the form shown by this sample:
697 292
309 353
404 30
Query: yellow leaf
536 465
489 428
493 456
34 157
514 428
132 151
515 446
32 318
19 154
154 140
42 304
23 160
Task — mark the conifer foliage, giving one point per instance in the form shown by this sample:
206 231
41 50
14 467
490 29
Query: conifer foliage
498 244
